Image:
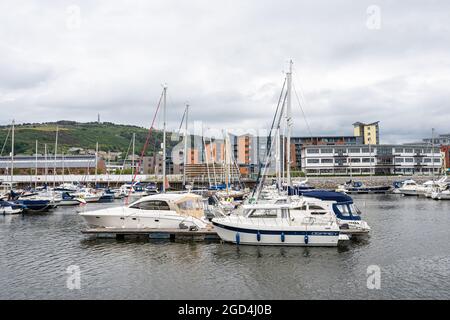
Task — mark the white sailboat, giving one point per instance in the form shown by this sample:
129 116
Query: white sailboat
300 222
159 211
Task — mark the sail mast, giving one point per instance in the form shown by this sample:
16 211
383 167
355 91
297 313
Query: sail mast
432 153
96 164
36 167
164 138
63 168
185 143
12 155
56 152
46 164
289 124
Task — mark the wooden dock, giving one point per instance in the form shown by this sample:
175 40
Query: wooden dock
169 234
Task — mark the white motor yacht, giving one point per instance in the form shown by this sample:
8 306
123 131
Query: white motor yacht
89 195
303 222
409 188
160 211
131 191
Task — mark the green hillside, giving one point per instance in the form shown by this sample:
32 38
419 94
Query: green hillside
110 136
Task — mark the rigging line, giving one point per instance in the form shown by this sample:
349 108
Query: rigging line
6 140
259 186
303 112
147 140
268 142
276 112
124 160
260 180
182 120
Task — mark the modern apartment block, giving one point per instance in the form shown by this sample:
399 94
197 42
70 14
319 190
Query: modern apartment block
441 140
370 132
298 142
370 159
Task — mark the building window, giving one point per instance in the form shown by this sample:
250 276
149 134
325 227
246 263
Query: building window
312 150
327 161
399 160
354 150
326 150
312 160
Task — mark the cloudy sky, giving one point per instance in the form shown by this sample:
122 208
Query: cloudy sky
353 61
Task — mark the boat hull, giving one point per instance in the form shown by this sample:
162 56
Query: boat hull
440 196
9 210
277 237
139 219
70 202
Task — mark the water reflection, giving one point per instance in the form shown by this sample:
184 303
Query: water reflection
408 241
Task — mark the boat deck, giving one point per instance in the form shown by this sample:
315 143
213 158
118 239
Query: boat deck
171 234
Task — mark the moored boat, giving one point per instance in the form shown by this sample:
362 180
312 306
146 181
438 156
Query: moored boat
7 207
161 211
297 223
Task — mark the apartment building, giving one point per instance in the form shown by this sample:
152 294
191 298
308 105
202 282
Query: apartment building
369 132
441 140
368 159
297 144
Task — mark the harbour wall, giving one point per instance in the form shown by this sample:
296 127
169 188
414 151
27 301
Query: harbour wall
175 181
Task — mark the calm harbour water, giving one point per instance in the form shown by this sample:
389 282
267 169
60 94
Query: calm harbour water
409 242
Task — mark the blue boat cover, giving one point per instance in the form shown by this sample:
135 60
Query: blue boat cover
328 196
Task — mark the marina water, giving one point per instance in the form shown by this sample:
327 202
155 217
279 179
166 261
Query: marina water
409 242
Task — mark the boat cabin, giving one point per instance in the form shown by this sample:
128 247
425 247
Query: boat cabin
187 204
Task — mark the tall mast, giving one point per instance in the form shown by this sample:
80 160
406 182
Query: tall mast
96 163
132 155
289 124
226 162
432 153
63 169
36 167
12 155
370 157
109 165
46 164
56 152
186 143
213 159
206 157
164 137
277 159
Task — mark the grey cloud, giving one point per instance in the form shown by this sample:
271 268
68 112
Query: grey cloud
226 59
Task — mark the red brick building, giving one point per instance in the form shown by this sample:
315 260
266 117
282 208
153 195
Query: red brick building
446 151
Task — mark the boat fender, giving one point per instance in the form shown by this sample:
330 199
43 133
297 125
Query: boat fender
258 236
306 239
238 238
282 237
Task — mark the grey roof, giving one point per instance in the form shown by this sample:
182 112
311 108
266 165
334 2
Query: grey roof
25 162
